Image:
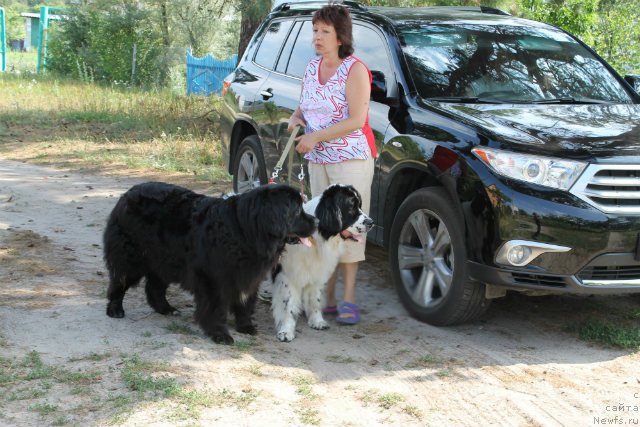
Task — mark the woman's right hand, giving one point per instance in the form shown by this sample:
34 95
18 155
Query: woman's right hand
294 121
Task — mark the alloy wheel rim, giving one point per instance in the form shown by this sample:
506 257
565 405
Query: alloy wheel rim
248 175
425 258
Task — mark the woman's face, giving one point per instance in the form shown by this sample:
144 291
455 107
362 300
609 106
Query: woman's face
325 38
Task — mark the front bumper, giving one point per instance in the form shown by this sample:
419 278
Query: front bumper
607 274
604 255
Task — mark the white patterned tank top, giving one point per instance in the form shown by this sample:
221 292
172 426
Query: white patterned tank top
324 105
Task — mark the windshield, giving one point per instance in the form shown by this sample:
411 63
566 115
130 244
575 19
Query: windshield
504 63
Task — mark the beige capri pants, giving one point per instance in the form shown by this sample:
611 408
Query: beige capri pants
358 173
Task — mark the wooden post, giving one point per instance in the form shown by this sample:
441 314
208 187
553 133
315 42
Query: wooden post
133 65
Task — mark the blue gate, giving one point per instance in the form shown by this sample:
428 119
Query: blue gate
205 75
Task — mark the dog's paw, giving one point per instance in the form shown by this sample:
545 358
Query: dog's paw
286 336
247 329
115 311
222 339
316 321
319 324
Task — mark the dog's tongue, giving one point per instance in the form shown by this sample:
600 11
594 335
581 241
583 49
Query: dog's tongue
305 241
349 236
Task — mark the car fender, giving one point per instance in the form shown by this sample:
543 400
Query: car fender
243 127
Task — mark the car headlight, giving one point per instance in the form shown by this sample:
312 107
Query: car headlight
547 171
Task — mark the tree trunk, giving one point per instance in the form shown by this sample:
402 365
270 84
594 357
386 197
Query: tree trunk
166 41
164 24
253 13
248 26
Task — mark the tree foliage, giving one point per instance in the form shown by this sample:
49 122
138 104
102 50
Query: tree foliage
617 34
610 27
99 43
101 33
576 16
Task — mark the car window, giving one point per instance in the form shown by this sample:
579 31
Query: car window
303 51
271 43
371 48
506 63
281 66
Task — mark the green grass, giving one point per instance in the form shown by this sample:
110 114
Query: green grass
180 328
32 368
52 120
149 381
609 332
22 62
422 362
412 411
309 416
336 358
93 357
388 400
61 421
245 344
256 369
384 400
304 386
43 408
140 376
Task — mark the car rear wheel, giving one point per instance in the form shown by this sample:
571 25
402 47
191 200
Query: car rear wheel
249 170
428 261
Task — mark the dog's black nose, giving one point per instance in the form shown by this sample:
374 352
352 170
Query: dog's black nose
368 222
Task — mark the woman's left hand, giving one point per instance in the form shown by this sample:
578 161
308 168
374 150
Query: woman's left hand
305 143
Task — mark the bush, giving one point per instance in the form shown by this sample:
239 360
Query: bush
98 44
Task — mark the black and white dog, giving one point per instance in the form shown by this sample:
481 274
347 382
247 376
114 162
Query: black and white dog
300 281
219 249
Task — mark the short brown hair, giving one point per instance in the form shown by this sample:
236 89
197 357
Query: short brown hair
339 17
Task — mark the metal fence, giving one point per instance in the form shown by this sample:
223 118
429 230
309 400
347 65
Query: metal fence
205 75
3 42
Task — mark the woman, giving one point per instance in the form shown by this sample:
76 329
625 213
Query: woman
338 142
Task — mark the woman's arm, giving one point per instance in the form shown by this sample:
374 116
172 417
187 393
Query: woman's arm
296 119
358 90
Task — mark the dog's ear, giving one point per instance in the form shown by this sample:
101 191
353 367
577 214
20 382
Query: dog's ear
329 215
353 189
259 215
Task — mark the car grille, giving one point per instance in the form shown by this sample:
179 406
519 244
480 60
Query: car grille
619 272
610 188
538 280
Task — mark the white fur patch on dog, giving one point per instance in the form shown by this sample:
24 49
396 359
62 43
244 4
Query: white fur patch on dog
300 284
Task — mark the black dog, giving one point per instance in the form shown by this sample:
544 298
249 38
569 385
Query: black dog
219 249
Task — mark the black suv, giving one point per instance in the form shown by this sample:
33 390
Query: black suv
509 150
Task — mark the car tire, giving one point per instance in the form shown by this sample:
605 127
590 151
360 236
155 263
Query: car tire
249 169
429 261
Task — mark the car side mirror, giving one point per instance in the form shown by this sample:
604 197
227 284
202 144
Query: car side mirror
378 86
634 81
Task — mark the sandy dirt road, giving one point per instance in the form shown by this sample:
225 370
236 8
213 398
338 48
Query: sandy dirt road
516 366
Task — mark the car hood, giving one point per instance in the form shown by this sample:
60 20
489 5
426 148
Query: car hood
578 131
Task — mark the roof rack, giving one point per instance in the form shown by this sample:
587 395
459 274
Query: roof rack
493 11
319 3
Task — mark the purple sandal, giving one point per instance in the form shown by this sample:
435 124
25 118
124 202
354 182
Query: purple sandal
348 314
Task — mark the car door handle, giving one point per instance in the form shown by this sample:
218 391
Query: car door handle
266 94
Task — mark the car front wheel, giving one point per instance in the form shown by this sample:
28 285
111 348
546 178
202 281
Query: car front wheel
428 261
249 170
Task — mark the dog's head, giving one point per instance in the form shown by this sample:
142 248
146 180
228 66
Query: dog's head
277 214
339 211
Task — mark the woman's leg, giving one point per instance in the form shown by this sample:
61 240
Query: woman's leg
331 289
349 273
